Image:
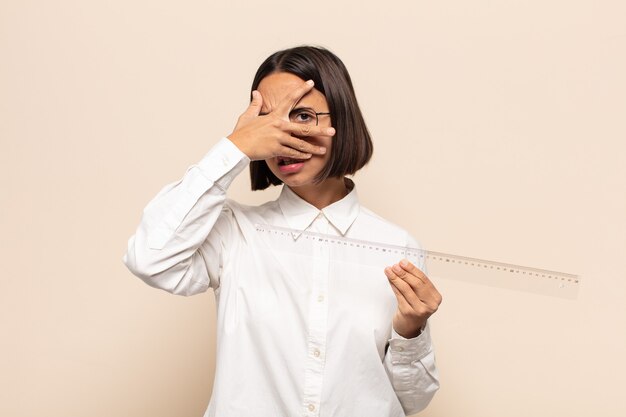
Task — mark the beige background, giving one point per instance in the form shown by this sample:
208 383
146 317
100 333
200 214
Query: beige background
499 133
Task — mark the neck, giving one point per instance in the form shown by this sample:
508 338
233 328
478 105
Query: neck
324 194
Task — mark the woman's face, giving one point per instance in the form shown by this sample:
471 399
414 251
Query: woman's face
275 88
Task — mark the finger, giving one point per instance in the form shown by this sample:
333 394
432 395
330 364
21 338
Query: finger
422 286
294 96
302 145
428 284
289 152
255 106
405 289
420 312
427 292
301 130
403 304
415 282
413 270
423 302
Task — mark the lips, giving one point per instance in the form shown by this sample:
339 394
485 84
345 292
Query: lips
288 166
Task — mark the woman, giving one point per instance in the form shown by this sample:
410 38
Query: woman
298 333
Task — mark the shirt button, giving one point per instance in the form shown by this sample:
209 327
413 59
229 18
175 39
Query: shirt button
400 349
316 352
320 298
311 407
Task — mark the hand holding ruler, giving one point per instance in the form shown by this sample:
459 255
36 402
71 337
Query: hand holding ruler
439 264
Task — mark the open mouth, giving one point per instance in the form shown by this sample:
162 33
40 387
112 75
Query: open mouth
288 161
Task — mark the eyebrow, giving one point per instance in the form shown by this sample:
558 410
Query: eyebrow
265 113
302 108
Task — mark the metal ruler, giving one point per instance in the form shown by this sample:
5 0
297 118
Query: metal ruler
435 264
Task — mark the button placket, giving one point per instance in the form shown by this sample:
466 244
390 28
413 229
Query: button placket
318 312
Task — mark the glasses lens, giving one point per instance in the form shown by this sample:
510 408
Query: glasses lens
303 116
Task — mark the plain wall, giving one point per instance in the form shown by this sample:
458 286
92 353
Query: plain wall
499 133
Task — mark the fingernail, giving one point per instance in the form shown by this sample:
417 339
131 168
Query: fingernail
322 149
310 82
330 131
404 262
396 268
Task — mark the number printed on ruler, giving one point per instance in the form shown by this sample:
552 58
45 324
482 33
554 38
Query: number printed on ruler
435 264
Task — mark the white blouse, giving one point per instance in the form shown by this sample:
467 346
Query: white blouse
297 334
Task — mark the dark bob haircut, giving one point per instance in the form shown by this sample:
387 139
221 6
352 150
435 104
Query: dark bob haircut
352 145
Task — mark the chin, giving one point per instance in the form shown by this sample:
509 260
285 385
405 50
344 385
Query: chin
294 181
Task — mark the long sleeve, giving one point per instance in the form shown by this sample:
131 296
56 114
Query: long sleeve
410 364
184 215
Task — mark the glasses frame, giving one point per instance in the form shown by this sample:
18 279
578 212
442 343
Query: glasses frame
317 114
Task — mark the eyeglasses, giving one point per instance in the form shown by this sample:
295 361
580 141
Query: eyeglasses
305 116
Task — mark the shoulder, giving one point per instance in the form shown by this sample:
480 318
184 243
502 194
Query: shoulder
250 214
372 226
237 220
235 206
374 219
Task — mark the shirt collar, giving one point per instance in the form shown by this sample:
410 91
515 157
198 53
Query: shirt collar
300 214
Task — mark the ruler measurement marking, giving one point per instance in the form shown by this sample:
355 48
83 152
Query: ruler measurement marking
444 258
